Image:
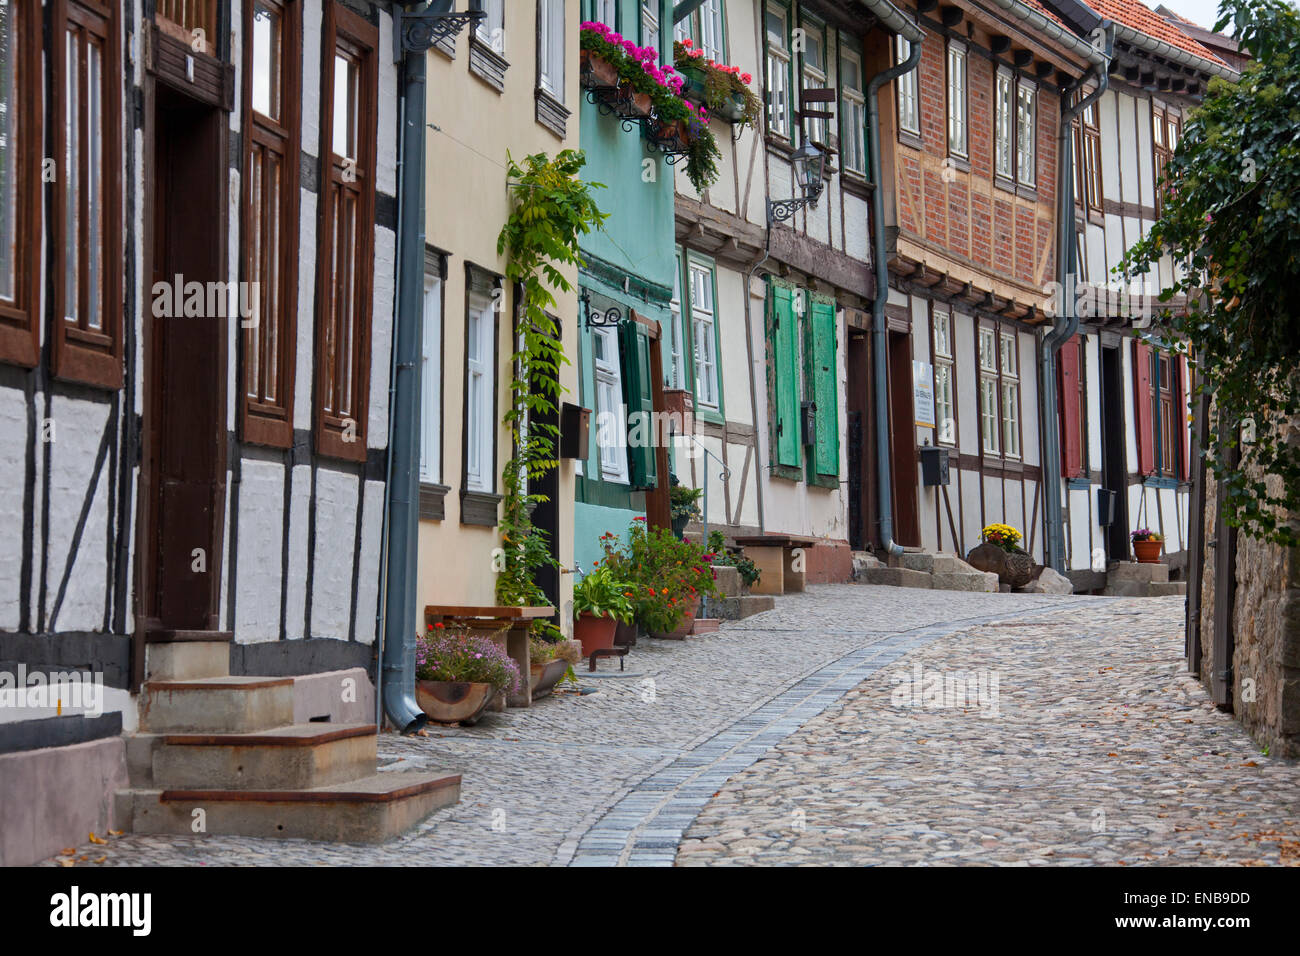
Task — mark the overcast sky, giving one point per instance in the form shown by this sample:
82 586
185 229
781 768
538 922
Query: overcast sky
1201 12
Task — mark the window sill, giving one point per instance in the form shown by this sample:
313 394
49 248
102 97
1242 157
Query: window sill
479 508
788 472
1001 182
706 414
433 498
487 64
551 113
1158 481
855 184
1027 192
780 145
960 163
908 138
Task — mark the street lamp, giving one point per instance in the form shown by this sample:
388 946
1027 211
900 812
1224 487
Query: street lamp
809 175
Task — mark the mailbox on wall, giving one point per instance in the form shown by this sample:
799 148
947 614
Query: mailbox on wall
575 431
934 465
1106 502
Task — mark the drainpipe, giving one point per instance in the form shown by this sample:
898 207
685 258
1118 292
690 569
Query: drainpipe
402 551
884 482
1066 322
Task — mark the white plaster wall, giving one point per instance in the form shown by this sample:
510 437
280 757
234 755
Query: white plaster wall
261 523
295 598
336 513
732 354
370 559
381 336
13 474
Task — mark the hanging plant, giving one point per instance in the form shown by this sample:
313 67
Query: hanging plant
724 89
553 208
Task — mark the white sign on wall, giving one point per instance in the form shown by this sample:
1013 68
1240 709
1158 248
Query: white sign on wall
923 391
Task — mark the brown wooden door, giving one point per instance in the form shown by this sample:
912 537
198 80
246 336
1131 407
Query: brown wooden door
185 380
902 428
861 447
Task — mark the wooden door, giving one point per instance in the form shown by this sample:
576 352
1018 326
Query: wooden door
862 510
1114 462
903 454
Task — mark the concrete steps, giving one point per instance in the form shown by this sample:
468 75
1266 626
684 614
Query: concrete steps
224 755
736 603
918 569
1135 579
706 625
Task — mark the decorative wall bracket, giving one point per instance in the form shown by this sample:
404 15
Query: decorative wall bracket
418 32
779 210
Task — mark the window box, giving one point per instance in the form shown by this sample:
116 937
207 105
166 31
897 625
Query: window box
597 72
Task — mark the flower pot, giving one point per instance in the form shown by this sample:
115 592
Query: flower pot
453 702
639 102
1148 552
682 629
1013 568
679 525
674 137
596 71
678 401
693 90
595 633
544 677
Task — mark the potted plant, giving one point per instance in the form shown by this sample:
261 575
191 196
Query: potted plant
685 506
551 662
1147 545
457 675
723 89
668 576
727 558
599 602
1001 554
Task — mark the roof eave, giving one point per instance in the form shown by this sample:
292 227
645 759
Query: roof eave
1160 48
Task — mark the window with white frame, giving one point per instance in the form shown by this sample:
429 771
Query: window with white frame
606 12
957 125
814 71
491 30
704 336
480 383
703 27
909 109
778 72
650 23
1026 131
550 47
990 424
674 373
1004 135
853 113
945 420
431 383
1010 394
611 430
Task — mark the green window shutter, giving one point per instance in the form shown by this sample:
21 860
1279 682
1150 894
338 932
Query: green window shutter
785 361
639 391
825 389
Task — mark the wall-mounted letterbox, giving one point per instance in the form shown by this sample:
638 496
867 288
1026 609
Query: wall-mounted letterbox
934 465
1107 500
808 419
575 431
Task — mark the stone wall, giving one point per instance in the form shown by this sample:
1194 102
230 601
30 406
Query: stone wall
1266 631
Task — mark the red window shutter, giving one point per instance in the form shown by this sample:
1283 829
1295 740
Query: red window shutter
1184 404
1145 413
1071 425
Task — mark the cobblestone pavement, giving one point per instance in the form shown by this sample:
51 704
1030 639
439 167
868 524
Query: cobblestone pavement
620 773
1093 746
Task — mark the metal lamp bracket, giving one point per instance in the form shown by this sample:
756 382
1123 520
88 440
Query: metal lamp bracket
417 32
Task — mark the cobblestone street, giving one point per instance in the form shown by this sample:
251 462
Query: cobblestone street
807 735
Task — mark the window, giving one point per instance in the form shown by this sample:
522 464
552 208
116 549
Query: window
957 125
480 383
20 198
431 381
1004 135
1026 131
704 28
87 209
190 15
491 30
550 47
650 23
778 72
946 423
674 373
270 263
347 227
1166 127
909 115
611 429
704 336
988 369
814 72
606 12
1087 160
1010 370
853 112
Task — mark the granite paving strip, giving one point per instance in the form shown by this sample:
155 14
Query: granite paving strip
1092 746
537 780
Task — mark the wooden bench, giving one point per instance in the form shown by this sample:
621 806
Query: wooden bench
779 558
508 626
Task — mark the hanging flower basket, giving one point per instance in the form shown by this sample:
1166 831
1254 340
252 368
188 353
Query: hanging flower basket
596 71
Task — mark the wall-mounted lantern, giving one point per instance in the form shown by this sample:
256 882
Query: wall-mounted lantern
809 164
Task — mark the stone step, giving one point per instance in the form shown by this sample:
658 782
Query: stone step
864 561
216 705
1165 588
983 582
728 580
300 756
1145 589
369 810
894 577
186 660
1137 571
706 625
742 606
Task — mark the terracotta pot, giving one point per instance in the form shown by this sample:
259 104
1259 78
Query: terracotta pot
640 104
544 677
679 634
678 401
597 71
595 633
1148 552
453 702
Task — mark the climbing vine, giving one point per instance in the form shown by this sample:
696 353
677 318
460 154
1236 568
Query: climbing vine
1231 214
553 208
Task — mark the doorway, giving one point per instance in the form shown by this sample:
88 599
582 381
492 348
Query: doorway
183 486
1114 470
862 511
902 433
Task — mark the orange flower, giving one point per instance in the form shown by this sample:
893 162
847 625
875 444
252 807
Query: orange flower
664 591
